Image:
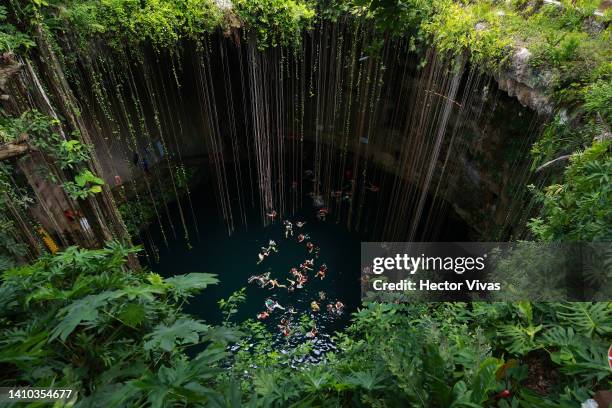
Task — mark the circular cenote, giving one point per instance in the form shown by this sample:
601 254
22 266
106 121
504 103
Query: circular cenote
151 148
255 141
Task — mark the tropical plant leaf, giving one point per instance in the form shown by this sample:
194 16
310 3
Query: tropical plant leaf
369 380
186 284
587 318
183 331
133 314
484 380
79 311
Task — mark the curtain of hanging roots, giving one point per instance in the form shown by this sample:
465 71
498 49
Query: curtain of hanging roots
350 121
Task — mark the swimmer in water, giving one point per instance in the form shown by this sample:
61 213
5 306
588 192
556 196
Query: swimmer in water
322 271
272 214
305 267
262 280
339 306
274 284
288 228
291 286
262 255
300 224
313 332
301 280
322 295
310 246
272 304
302 237
322 214
284 327
271 246
330 307
314 306
263 315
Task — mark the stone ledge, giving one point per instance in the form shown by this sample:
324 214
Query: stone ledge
523 82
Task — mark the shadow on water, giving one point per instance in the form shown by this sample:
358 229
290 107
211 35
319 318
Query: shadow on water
234 259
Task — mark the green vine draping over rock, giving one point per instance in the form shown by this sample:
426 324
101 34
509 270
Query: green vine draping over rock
275 22
132 22
164 22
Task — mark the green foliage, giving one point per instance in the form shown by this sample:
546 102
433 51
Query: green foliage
81 320
538 271
519 338
275 22
558 138
133 22
184 285
11 39
12 249
230 306
435 355
31 123
456 28
598 100
567 58
398 17
72 152
580 209
85 185
136 215
558 48
587 318
40 131
181 332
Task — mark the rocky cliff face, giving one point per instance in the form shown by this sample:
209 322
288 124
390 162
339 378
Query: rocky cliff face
525 83
9 67
490 177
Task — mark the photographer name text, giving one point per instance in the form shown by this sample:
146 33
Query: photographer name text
428 285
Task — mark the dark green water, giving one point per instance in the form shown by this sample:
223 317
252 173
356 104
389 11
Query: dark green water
234 258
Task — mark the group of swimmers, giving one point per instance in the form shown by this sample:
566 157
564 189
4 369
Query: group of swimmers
299 276
336 308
